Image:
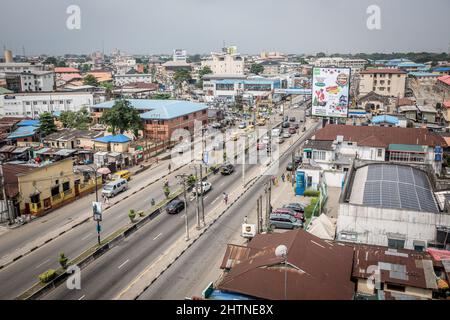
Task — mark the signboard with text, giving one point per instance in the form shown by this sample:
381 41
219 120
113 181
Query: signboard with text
330 92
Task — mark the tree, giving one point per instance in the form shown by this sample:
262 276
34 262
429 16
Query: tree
47 125
161 96
90 80
181 76
122 117
51 60
61 64
320 55
85 68
203 71
257 68
79 120
108 89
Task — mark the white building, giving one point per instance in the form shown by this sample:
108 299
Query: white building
179 55
225 63
356 65
37 81
124 64
387 82
121 80
20 67
33 104
391 205
335 146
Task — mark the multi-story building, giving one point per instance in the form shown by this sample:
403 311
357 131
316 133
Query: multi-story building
335 146
356 65
123 64
162 117
227 88
29 81
225 63
386 82
20 67
33 104
121 80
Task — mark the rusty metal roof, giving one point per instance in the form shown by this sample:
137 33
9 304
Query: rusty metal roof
315 269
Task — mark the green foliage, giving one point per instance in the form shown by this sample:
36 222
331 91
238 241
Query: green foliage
310 208
311 193
320 55
203 71
131 215
194 58
161 96
85 68
79 120
191 180
47 276
90 80
122 117
47 125
181 76
63 260
141 213
51 60
61 64
256 68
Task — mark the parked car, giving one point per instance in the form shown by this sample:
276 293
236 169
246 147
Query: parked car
226 168
296 206
296 126
286 135
292 130
286 118
115 187
183 147
292 119
298 160
242 125
285 125
218 145
175 206
206 185
296 214
216 125
278 140
276 132
284 221
290 167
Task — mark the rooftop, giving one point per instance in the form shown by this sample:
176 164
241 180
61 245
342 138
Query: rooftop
384 70
66 70
385 119
160 109
316 269
379 136
22 132
445 79
394 187
119 138
69 134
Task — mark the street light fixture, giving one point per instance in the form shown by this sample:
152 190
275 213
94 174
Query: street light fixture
96 217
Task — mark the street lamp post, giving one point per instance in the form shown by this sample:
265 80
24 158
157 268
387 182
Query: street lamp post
96 200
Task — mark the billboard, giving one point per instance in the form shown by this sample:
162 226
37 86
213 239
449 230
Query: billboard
330 92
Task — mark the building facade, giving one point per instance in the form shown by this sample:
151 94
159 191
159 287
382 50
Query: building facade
33 104
121 80
386 82
224 63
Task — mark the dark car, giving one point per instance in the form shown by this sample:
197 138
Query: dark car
175 206
285 125
296 126
296 206
298 160
292 130
226 168
290 167
286 118
292 119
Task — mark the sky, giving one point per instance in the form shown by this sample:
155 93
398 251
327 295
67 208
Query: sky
202 26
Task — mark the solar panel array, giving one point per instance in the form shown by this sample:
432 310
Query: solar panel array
398 187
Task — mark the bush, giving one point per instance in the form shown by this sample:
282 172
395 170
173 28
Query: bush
166 191
141 213
310 208
63 260
132 215
311 193
47 276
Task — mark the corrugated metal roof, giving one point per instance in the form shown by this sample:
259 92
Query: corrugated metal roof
23 132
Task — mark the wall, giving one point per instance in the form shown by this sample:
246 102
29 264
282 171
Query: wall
397 85
334 178
119 147
372 224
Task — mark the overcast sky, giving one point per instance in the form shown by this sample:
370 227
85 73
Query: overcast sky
201 26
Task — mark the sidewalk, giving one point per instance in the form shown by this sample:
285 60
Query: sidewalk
331 208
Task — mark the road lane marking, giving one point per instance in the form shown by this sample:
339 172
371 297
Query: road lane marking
124 263
221 184
81 298
86 236
215 200
157 236
41 264
204 198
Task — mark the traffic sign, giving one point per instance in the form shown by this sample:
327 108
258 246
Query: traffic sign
97 211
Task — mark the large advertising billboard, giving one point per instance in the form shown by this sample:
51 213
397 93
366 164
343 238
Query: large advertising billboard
330 92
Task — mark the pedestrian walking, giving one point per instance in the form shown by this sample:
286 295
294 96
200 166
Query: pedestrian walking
170 167
225 198
282 177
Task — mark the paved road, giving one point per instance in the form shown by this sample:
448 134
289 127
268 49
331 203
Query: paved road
199 265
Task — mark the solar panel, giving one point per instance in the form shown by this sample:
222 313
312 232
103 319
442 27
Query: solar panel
402 187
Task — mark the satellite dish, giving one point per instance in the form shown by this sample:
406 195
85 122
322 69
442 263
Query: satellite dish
281 251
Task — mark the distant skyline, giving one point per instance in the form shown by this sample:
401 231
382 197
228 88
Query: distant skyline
201 26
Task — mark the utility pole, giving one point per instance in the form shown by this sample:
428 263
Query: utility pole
182 177
5 199
243 162
201 190
294 168
257 215
197 197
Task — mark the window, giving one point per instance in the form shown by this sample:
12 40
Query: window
35 198
394 287
319 155
204 112
185 117
396 243
66 186
380 153
55 190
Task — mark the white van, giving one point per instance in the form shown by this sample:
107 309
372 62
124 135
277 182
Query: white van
113 188
276 132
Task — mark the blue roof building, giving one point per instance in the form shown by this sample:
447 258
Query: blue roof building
385 119
26 123
118 138
23 132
